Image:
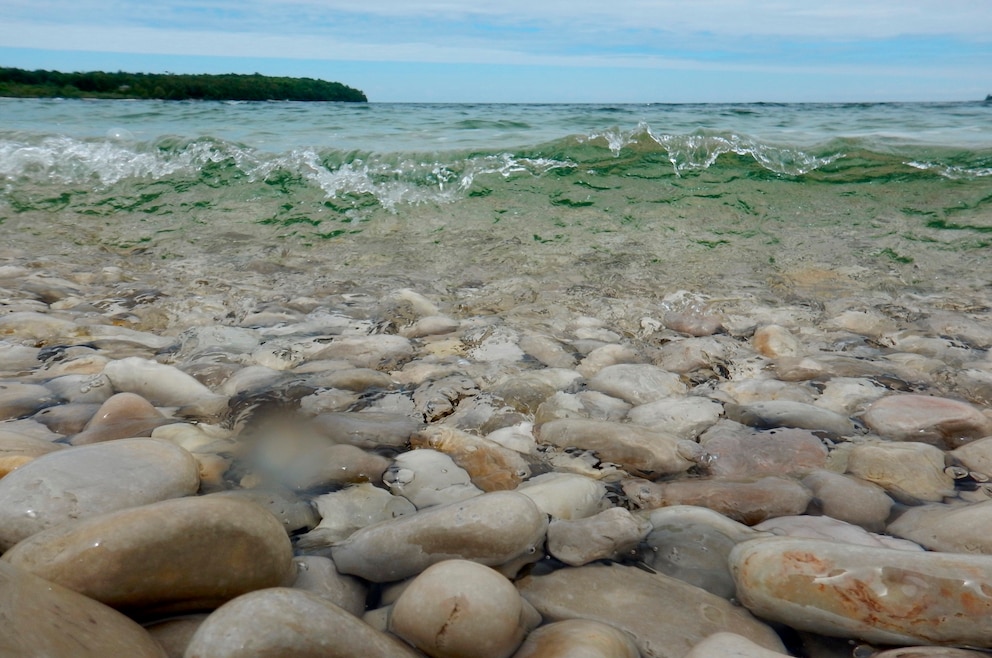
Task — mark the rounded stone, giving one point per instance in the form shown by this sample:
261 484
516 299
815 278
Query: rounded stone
492 529
318 575
121 416
278 622
173 556
81 482
877 594
849 499
578 638
940 421
731 645
665 617
39 618
910 472
460 609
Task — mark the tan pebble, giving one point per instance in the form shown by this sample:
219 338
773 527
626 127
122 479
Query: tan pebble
774 341
748 502
693 321
460 609
943 422
491 466
910 472
123 415
877 594
173 556
577 638
41 618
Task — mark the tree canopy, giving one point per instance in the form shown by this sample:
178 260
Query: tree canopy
171 86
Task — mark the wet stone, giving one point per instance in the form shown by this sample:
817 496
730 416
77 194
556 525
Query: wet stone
491 529
734 452
194 553
82 482
368 429
122 416
692 544
664 616
946 423
785 413
343 512
578 638
289 622
749 502
40 618
637 383
849 499
947 528
636 448
910 472
318 575
490 466
611 534
461 609
877 594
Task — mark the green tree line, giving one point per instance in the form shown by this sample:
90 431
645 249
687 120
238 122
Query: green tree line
171 86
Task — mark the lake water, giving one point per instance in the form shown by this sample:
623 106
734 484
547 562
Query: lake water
792 201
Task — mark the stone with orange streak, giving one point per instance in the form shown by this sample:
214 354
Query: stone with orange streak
491 466
874 594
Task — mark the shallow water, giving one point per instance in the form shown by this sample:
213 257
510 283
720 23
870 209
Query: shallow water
634 201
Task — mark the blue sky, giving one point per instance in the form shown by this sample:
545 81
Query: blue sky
533 50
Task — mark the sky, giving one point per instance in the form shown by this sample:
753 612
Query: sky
597 51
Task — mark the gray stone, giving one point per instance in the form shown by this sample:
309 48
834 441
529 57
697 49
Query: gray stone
665 616
637 383
318 575
947 528
785 413
849 499
368 429
693 544
492 529
278 622
637 449
82 482
611 534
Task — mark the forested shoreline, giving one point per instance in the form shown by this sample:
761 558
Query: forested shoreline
22 83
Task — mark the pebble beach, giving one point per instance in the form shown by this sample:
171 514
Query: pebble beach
226 443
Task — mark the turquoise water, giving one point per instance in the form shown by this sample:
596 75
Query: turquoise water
716 197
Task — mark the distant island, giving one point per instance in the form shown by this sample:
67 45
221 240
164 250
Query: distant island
21 83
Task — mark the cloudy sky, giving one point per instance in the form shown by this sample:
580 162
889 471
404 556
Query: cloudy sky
532 50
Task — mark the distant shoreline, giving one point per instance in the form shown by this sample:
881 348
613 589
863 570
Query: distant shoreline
21 83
